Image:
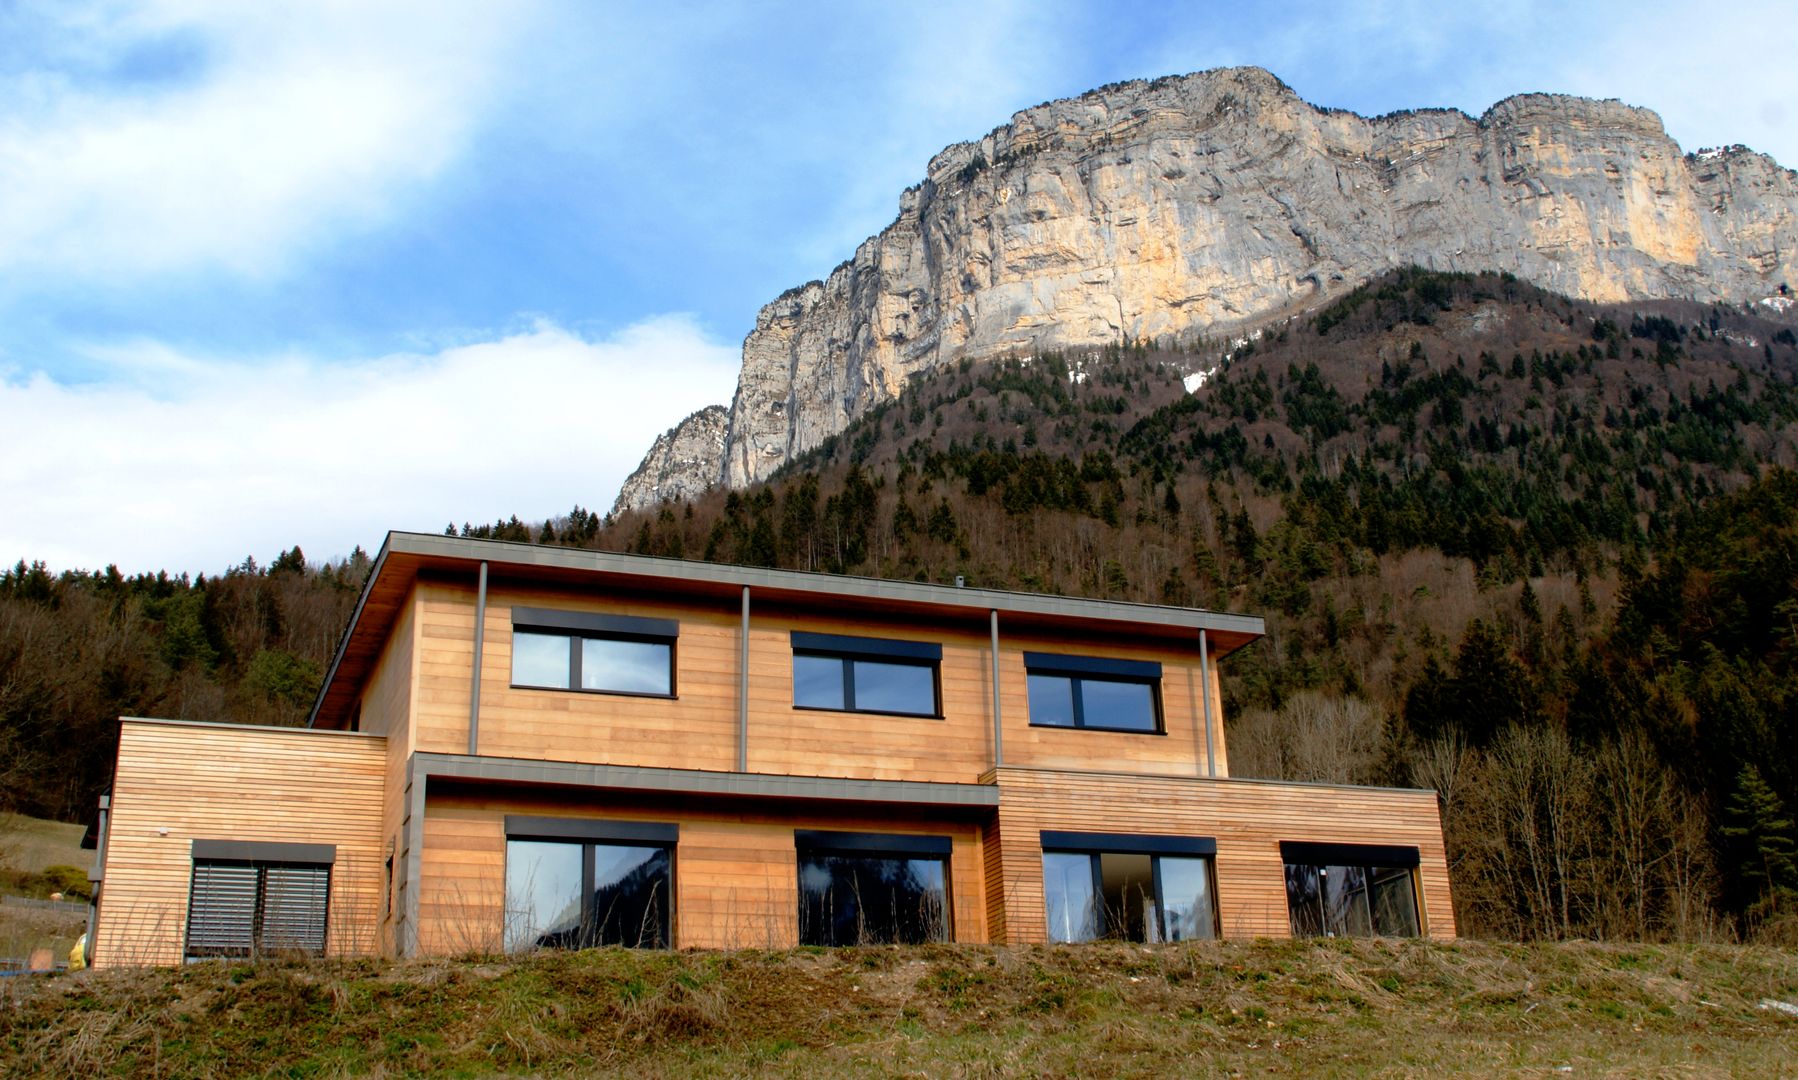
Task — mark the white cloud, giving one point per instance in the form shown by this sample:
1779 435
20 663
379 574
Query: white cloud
262 130
191 463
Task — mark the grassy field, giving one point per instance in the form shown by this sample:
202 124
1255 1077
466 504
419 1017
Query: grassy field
1309 1008
30 844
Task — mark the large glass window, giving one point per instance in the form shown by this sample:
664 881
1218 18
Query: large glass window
874 675
564 890
868 889
1129 888
1350 890
1093 692
613 654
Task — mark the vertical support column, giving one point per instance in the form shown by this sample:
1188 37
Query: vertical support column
411 863
474 689
743 690
998 729
96 879
1205 695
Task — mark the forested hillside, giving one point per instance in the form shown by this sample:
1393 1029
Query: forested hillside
1539 555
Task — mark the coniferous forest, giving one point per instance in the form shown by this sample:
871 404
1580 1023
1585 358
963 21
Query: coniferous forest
1537 554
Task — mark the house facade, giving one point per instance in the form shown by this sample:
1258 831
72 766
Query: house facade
521 747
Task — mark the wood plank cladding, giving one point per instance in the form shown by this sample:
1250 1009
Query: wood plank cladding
697 727
178 782
1248 819
735 868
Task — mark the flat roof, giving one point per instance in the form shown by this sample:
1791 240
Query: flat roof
406 554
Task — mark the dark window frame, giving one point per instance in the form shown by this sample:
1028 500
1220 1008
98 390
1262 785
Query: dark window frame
1094 845
849 650
259 857
1079 670
579 626
591 833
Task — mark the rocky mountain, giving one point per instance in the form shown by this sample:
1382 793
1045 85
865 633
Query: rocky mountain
1205 205
683 462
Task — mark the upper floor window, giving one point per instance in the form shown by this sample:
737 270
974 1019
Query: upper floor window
577 650
1093 692
873 675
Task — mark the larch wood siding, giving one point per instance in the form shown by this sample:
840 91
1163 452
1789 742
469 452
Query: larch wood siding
697 729
387 710
736 875
1179 751
180 782
1247 818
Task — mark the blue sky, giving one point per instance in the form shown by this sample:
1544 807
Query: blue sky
278 274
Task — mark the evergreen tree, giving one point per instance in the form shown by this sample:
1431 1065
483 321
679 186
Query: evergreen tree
1760 831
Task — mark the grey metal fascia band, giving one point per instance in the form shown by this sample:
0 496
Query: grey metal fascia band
1128 843
264 851
1205 696
701 782
594 622
520 554
480 636
998 728
532 827
743 690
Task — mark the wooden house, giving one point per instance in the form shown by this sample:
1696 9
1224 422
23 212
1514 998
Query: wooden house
521 747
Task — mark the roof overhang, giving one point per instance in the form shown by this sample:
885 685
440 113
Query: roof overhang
405 556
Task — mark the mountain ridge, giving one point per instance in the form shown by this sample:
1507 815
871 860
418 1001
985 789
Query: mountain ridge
1191 206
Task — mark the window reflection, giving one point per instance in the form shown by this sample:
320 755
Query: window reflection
818 682
1186 908
1127 896
1068 890
1051 700
867 899
540 660
577 895
899 688
543 892
629 667
1127 706
1357 901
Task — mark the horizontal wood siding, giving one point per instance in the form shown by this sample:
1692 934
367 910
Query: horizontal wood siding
1178 752
1247 818
736 872
812 742
176 783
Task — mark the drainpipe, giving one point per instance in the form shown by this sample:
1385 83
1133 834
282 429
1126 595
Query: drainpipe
1205 695
998 729
474 688
743 690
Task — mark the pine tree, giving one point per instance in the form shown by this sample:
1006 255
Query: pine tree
1760 831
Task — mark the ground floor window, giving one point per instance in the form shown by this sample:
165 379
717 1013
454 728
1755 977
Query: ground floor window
872 888
254 899
577 883
1128 888
1351 890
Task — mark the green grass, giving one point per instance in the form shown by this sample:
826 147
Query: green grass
1327 1008
29 845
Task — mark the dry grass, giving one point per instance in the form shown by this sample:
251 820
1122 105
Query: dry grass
1384 1008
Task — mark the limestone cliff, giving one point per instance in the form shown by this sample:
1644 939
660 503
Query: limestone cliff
683 462
1203 204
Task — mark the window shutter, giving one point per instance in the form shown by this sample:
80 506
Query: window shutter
221 918
294 903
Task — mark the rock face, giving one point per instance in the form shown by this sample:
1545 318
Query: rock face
1204 204
683 462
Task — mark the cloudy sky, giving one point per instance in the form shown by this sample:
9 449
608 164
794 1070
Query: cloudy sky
297 274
